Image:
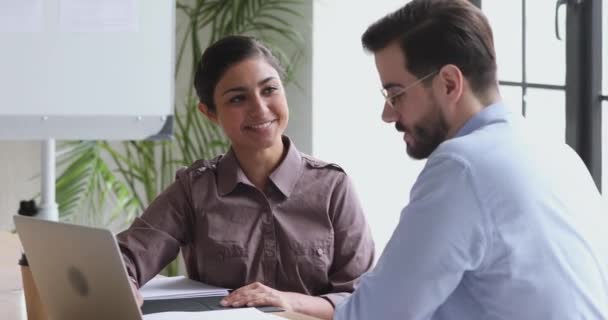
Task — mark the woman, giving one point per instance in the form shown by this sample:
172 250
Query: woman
279 226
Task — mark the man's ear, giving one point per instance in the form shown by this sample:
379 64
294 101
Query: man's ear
452 82
210 114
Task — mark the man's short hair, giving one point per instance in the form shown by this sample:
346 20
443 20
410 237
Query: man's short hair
433 33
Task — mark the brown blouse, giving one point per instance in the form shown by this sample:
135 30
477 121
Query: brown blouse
306 233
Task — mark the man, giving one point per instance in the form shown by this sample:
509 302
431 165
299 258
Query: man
498 226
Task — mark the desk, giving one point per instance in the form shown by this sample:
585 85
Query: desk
12 301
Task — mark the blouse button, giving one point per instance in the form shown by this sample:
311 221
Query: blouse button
319 252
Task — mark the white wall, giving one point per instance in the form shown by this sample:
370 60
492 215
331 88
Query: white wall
299 92
347 103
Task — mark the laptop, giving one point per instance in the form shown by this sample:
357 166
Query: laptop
78 270
80 274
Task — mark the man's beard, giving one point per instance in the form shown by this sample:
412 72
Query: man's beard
428 134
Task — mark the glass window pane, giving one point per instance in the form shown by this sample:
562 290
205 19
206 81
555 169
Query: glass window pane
545 54
505 19
546 109
512 98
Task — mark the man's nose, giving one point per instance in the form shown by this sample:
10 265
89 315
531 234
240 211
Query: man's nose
389 114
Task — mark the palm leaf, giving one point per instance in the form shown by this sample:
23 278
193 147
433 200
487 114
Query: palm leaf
78 189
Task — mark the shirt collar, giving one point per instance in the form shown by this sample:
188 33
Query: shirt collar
229 173
493 113
284 177
287 173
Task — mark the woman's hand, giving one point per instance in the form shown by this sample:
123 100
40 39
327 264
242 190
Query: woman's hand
257 294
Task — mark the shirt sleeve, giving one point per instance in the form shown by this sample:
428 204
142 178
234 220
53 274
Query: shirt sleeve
353 244
441 235
154 239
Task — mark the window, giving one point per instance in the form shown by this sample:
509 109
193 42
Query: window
531 62
505 18
545 53
532 65
547 110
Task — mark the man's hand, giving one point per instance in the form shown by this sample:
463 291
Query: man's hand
138 297
257 294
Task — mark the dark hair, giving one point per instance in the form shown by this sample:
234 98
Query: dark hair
433 33
223 54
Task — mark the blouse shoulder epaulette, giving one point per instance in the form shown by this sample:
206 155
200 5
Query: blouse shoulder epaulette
201 166
315 163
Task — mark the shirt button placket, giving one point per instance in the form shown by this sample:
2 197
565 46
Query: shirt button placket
270 257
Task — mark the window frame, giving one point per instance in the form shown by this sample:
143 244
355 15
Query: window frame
584 82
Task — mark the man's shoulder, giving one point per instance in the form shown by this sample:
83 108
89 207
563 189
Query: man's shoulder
479 146
462 150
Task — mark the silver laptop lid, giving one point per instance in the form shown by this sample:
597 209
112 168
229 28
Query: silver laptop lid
78 270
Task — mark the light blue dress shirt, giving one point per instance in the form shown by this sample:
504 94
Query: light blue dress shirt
499 226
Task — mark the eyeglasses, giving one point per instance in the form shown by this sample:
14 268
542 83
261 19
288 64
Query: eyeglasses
391 97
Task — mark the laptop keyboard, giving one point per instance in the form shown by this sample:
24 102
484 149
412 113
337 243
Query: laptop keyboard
191 305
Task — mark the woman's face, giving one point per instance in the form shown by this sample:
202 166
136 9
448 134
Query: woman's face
251 106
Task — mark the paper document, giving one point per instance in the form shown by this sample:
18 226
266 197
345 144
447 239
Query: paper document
178 287
240 314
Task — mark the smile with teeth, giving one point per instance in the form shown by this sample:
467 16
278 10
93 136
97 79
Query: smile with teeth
262 125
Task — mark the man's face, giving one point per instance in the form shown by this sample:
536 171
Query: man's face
415 111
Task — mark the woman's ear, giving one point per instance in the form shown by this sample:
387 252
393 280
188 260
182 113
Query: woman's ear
210 114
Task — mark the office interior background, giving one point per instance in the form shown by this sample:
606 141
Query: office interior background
560 85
